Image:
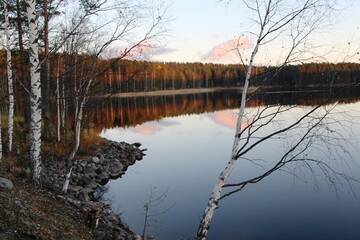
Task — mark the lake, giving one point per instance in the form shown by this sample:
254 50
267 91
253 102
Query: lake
189 140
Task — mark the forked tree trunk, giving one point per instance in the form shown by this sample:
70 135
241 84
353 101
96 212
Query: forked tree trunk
35 97
213 202
77 139
77 144
10 79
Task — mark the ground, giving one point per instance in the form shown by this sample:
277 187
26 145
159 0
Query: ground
28 212
45 213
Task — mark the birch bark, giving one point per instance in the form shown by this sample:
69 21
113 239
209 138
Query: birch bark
79 119
35 97
213 202
10 79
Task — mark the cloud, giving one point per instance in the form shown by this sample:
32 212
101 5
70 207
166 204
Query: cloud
224 118
146 129
162 51
227 118
227 51
151 128
145 51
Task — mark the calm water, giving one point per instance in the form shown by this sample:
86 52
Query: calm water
189 139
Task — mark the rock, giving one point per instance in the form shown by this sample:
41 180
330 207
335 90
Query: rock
6 184
137 144
95 160
139 157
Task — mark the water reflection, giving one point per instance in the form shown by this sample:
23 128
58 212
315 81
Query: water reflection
125 112
188 146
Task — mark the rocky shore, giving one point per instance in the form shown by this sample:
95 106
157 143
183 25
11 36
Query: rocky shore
89 176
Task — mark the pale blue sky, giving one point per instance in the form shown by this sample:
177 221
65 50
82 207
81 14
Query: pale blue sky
197 26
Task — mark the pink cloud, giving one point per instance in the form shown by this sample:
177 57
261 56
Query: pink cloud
151 128
147 129
227 51
227 118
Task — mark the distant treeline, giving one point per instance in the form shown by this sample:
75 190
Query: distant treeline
128 76
134 76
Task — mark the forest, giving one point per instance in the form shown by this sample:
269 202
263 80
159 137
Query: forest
121 75
68 136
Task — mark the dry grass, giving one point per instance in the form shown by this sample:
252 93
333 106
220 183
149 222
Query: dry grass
90 141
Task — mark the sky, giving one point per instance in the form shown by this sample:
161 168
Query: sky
200 29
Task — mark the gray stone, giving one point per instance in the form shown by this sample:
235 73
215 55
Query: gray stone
6 184
95 160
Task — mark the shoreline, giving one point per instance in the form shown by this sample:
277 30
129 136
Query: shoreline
46 213
185 91
251 89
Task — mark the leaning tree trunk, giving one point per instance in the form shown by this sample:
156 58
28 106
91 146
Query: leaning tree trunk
79 119
35 97
10 79
77 144
215 197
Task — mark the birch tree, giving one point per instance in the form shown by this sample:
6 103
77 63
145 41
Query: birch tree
120 28
274 19
35 90
9 76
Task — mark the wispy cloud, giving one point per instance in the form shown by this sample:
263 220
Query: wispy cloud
145 51
227 51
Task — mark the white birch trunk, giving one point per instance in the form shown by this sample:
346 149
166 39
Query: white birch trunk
79 118
67 181
35 97
213 202
10 79
77 144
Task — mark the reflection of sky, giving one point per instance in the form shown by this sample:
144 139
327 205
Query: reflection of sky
151 128
225 118
185 155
